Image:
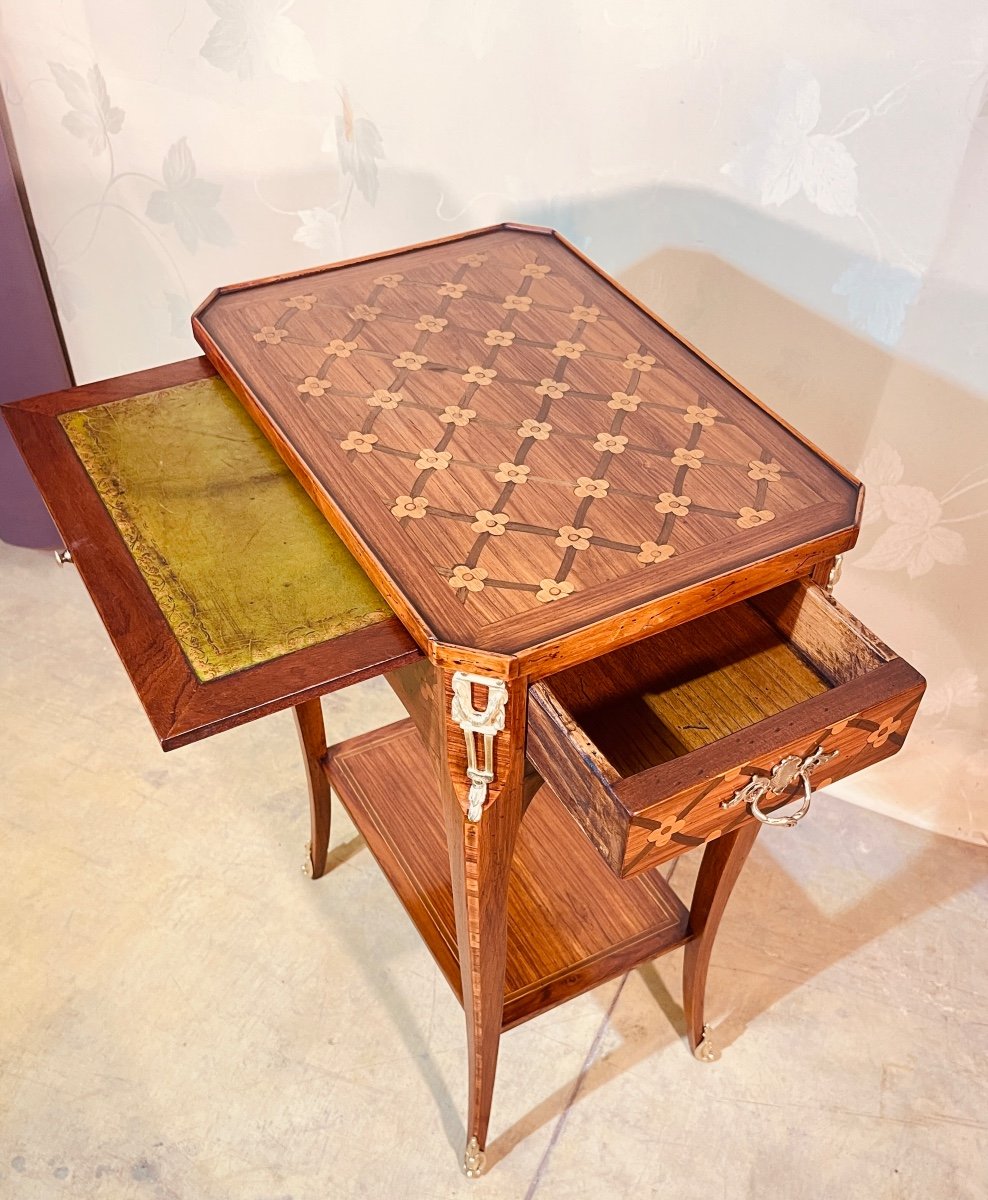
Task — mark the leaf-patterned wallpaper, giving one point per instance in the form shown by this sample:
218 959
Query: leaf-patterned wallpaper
800 191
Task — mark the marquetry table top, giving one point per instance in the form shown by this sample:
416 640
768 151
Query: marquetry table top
514 449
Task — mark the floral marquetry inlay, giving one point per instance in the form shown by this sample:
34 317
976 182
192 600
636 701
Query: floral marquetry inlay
529 433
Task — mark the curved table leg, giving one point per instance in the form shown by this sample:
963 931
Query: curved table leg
312 734
719 871
480 854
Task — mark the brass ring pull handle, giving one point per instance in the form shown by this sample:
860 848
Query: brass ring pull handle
790 819
783 775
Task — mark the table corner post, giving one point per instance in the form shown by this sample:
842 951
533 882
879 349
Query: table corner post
483 718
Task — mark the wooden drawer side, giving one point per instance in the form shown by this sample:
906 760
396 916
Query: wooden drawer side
559 750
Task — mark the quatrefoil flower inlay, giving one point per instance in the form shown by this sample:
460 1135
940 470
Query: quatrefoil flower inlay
311 386
408 360
881 735
695 415
471 578
433 460
539 430
687 458
271 335
338 348
670 503
555 389
384 399
489 522
651 553
553 589
614 443
591 487
748 518
624 402
664 834
499 337
578 539
410 506
430 324
639 362
482 376
454 415
362 443
772 471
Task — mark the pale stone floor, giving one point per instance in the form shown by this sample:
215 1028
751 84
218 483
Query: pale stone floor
184 1015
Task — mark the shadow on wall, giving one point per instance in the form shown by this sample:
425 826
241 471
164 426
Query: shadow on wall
761 298
747 290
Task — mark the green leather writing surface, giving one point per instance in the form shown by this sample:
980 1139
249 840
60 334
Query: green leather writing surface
241 563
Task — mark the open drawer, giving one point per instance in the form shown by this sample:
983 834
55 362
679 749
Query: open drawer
682 737
225 593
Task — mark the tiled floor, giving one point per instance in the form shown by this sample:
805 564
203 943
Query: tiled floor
184 1015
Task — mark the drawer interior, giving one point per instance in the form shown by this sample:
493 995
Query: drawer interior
682 689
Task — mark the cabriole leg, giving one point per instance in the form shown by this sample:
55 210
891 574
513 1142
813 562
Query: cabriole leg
719 871
312 735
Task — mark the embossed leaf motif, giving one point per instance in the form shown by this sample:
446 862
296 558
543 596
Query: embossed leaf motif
960 689
915 540
882 465
878 295
320 230
92 116
789 157
359 146
188 202
254 37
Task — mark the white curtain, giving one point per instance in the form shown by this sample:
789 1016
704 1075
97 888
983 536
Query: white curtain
801 189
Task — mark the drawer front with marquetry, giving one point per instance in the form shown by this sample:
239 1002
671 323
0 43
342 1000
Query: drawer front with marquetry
736 717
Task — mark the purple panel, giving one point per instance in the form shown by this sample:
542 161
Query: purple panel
31 361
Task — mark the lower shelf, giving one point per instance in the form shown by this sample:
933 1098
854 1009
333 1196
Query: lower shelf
572 924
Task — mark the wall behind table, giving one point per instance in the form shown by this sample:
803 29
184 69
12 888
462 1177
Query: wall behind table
799 189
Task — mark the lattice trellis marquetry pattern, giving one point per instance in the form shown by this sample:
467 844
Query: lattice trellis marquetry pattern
699 816
504 430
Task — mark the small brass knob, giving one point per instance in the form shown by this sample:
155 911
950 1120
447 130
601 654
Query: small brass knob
63 556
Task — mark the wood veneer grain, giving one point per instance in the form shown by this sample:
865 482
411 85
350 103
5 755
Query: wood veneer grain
571 924
555 403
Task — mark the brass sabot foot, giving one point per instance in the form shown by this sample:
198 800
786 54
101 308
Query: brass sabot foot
705 1050
474 1159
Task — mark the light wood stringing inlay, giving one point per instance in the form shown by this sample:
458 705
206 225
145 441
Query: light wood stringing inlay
528 433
